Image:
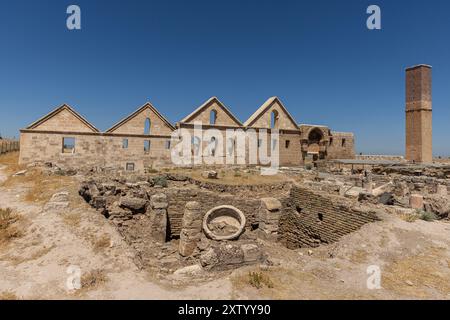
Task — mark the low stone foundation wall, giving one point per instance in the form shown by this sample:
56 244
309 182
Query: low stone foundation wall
236 189
177 199
310 219
380 157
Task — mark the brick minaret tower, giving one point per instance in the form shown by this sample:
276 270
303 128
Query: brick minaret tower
419 140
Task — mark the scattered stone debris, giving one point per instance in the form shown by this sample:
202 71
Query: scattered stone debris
210 174
191 229
20 173
183 226
59 201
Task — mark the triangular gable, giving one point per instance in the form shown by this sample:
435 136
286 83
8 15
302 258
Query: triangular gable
63 118
194 115
138 112
267 106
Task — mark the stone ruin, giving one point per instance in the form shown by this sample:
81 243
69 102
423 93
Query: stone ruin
173 222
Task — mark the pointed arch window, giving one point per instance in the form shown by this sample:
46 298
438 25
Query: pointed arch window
213 117
274 119
147 126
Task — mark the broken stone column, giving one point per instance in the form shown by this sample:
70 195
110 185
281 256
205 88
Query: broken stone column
442 190
270 213
368 183
401 189
416 201
158 217
191 228
388 187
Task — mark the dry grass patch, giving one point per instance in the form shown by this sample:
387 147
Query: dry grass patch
265 282
35 255
11 161
72 219
40 185
409 217
102 243
259 279
287 283
8 228
275 283
358 256
93 279
418 275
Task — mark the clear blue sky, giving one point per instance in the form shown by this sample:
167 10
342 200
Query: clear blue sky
317 56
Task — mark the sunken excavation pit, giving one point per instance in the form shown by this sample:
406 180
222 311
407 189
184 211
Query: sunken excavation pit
174 221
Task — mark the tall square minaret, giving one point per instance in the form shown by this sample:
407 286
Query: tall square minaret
419 137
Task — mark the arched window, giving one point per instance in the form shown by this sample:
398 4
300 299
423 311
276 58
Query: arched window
274 119
147 126
212 117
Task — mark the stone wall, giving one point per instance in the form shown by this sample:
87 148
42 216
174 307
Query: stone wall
203 115
311 218
136 124
379 157
283 120
177 199
43 140
341 146
290 149
93 150
64 120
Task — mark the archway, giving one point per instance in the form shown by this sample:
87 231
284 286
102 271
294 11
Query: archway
274 116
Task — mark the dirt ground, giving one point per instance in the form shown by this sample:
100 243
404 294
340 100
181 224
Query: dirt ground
413 258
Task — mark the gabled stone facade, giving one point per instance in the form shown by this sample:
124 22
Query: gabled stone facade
143 139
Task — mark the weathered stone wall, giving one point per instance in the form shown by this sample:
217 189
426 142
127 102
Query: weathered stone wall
272 188
290 149
379 157
42 141
98 149
341 146
311 218
177 199
64 120
93 150
136 125
283 122
222 117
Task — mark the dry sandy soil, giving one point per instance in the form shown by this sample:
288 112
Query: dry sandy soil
414 258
